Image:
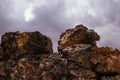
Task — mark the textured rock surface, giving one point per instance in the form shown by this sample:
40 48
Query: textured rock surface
29 56
19 45
2 67
78 35
20 55
45 68
106 60
86 61
1 53
79 67
111 77
2 71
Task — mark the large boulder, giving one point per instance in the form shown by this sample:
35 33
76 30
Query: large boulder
86 61
18 45
29 56
20 55
76 36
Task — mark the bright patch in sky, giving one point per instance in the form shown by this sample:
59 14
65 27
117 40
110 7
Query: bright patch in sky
28 14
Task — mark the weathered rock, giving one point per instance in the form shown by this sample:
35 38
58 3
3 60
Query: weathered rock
2 66
106 60
111 77
79 67
18 45
71 49
55 66
2 71
20 51
46 68
29 56
1 54
78 35
85 60
74 45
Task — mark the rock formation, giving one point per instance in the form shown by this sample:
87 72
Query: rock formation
29 56
86 61
80 36
18 45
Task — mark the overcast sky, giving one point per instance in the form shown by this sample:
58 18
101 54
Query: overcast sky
52 17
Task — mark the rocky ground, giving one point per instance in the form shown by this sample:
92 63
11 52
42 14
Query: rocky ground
29 56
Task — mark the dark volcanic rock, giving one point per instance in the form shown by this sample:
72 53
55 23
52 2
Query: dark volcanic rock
46 68
106 60
75 45
21 54
79 67
18 45
2 66
2 70
78 35
1 53
111 77
85 60
29 56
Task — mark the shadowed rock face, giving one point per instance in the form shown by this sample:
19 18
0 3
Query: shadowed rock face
78 36
1 53
86 61
106 60
18 45
44 68
21 56
29 56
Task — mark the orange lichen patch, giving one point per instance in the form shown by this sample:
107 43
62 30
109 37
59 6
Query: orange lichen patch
21 40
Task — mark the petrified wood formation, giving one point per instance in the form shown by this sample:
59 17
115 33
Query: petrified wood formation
29 56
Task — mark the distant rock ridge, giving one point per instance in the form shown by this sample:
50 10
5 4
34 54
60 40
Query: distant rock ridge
29 56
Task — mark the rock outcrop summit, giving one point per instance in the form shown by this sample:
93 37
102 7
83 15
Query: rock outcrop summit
29 56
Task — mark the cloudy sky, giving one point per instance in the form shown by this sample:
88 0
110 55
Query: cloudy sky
51 17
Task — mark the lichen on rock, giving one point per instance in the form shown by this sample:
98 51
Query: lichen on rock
17 45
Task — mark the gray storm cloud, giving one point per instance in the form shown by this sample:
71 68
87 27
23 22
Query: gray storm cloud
53 17
9 21
4 15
